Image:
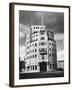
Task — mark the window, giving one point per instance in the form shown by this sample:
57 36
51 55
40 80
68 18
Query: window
31 67
35 44
43 57
36 39
50 54
49 49
53 55
50 66
42 38
35 67
43 49
35 56
36 35
42 43
42 28
42 32
49 43
34 27
35 50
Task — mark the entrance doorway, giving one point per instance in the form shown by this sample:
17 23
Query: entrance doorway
43 66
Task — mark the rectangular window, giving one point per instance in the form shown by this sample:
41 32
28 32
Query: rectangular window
49 49
42 38
50 54
35 56
36 35
35 44
42 32
42 43
35 50
43 57
50 66
35 32
49 43
35 67
31 67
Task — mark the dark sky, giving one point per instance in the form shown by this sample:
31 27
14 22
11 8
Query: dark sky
54 21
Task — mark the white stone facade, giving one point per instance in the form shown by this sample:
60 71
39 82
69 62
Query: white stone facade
40 52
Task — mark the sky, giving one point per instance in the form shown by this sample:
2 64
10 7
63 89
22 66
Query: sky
54 21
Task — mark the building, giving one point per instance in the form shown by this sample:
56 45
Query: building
21 65
60 64
40 52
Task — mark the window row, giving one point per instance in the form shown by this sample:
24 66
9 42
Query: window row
28 52
43 49
42 43
33 50
53 44
52 66
42 32
42 38
33 40
34 44
52 54
52 49
34 32
34 35
33 67
32 56
36 27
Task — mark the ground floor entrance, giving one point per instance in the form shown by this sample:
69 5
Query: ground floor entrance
43 66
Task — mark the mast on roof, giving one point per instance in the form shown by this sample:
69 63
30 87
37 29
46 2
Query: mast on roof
42 19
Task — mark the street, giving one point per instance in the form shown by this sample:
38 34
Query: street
41 75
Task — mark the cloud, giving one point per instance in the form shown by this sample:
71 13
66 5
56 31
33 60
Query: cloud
52 20
21 35
22 52
23 29
60 55
59 36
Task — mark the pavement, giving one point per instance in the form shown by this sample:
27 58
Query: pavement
49 74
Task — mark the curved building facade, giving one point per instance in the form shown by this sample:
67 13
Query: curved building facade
40 53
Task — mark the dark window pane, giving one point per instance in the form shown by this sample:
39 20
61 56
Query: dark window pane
50 54
35 56
35 50
35 67
42 32
42 38
35 44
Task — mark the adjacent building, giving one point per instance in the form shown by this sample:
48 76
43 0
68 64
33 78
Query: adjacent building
60 65
40 51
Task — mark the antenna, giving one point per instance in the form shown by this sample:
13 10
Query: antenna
41 19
